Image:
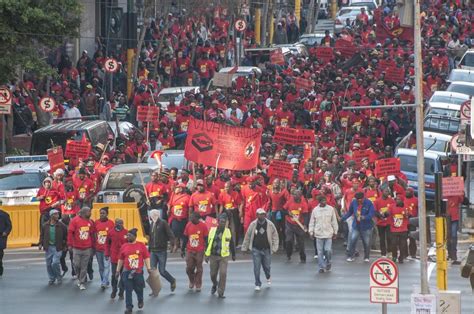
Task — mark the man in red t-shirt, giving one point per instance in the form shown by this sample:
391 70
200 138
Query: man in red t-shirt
81 241
296 220
103 226
411 201
453 213
132 257
381 205
228 202
278 196
178 213
202 201
399 215
194 245
115 239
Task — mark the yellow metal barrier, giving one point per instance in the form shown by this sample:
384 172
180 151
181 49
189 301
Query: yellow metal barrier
25 221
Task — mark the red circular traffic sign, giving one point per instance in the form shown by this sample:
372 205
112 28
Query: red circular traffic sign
466 109
47 104
240 25
385 267
111 65
5 96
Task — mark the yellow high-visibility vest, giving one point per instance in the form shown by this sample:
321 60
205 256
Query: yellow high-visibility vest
225 245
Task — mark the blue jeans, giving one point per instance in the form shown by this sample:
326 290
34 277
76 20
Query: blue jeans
453 239
159 258
132 282
261 258
53 262
324 252
365 235
104 268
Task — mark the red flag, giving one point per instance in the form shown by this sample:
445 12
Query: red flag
236 147
233 70
157 155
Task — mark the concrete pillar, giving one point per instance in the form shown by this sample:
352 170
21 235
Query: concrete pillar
87 30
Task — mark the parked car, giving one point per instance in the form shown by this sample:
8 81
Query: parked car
372 5
442 124
96 131
350 13
311 40
462 87
467 60
461 75
127 129
170 158
244 71
445 97
432 141
443 109
176 93
409 167
21 178
123 183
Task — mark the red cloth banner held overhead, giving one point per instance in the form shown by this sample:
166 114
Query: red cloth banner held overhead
386 167
394 74
292 136
234 148
324 53
280 169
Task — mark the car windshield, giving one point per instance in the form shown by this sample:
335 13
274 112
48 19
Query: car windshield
20 181
447 99
442 125
437 146
409 164
445 112
122 180
461 76
351 11
460 88
468 60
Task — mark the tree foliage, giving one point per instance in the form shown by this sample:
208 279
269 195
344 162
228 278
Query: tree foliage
28 28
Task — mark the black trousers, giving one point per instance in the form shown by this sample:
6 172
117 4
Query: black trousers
384 237
64 264
399 245
1 262
293 231
116 283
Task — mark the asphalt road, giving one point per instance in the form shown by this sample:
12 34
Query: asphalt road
296 288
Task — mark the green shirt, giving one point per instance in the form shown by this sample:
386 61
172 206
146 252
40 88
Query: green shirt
52 234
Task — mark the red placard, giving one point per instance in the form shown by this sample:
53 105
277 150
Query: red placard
210 222
55 158
386 167
453 186
324 53
386 63
345 47
358 155
285 135
231 147
280 169
148 113
277 57
302 83
79 150
394 74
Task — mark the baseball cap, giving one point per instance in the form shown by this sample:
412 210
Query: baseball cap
261 211
199 182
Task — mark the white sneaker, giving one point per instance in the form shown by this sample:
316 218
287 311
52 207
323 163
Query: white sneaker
366 260
82 287
78 283
269 281
315 257
350 259
257 288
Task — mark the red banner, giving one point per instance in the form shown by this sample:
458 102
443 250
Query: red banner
386 167
277 57
56 158
345 47
148 113
395 75
453 186
280 169
230 147
324 53
358 155
302 83
292 136
382 32
385 63
75 149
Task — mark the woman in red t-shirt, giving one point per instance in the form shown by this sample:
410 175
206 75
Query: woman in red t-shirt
398 217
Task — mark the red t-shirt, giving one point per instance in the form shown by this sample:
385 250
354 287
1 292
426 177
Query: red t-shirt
278 199
296 210
70 207
203 203
398 218
84 187
81 233
453 206
102 229
196 234
134 256
50 197
381 205
115 240
179 206
228 200
412 203
155 189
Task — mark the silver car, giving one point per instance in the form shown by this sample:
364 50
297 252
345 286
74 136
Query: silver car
125 183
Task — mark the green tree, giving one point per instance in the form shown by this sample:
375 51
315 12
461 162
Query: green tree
29 27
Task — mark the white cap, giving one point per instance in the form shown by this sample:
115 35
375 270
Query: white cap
391 178
294 161
261 211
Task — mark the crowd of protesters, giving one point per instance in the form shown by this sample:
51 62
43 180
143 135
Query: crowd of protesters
329 195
